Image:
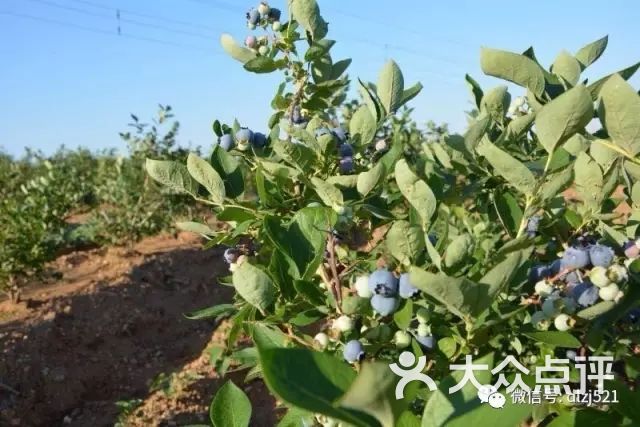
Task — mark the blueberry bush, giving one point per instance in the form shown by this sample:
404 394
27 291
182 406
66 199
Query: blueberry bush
353 235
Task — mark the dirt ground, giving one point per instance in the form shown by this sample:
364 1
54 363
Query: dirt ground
112 330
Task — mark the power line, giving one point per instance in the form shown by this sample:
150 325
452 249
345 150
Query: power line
122 19
105 32
145 15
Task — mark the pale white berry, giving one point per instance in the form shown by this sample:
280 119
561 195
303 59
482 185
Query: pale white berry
562 322
362 287
598 276
344 323
609 293
423 330
322 339
617 273
544 288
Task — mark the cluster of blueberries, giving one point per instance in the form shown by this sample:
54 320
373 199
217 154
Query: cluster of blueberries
263 15
242 140
345 150
584 275
384 289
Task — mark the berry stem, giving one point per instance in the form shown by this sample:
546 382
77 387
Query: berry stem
331 246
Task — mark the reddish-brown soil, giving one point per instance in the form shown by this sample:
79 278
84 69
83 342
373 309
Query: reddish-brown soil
108 330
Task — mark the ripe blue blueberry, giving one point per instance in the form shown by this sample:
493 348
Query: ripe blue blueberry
601 255
339 133
226 141
539 272
532 225
406 289
383 282
244 136
353 351
253 16
346 165
427 342
296 115
231 255
346 150
585 294
259 140
274 14
572 277
575 258
384 305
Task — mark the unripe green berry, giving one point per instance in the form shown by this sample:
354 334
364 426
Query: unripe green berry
598 276
423 330
539 320
263 50
423 315
402 339
276 26
551 306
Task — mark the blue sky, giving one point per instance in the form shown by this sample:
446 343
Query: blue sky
68 78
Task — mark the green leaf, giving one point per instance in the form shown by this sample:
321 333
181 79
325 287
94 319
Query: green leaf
343 181
513 67
555 338
567 67
309 232
404 241
629 400
556 183
228 168
172 174
390 87
457 250
195 227
371 101
411 93
595 87
254 285
329 194
209 312
519 125
563 117
339 67
499 277
403 317
268 337
596 310
416 191
362 126
312 381
589 181
230 407
508 167
443 407
297 155
368 180
307 13
602 154
590 53
317 49
619 111
475 89
459 295
476 130
261 65
206 175
584 418
496 102
296 417
373 392
237 52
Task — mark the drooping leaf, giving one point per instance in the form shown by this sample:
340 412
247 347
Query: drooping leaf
210 312
254 285
207 176
173 175
237 52
475 89
416 191
195 227
516 68
496 102
368 180
595 87
511 169
261 65
589 181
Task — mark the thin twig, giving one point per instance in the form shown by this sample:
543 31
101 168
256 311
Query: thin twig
331 248
9 389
